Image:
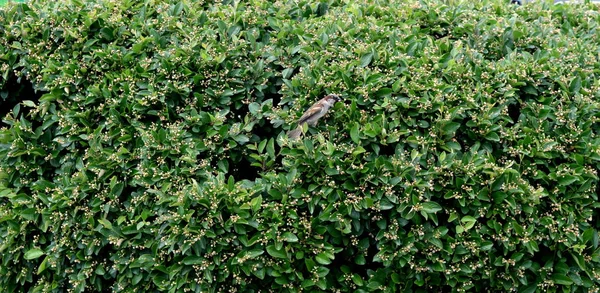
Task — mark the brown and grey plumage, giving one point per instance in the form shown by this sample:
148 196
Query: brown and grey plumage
312 115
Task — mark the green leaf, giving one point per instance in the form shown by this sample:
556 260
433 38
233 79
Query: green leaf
231 183
588 234
42 267
241 138
383 92
290 237
385 204
322 272
271 148
223 166
486 245
431 207
323 258
29 214
453 216
578 258
253 108
575 85
452 145
354 133
117 189
33 253
562 279
260 273
492 136
254 253
366 59
468 221
277 253
29 103
567 179
193 260
321 283
107 33
256 203
438 267
105 223
360 259
459 229
531 288
357 279
307 283
310 264
287 73
450 128
359 150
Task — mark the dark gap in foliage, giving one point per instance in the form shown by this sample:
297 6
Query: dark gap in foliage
346 258
370 264
152 114
514 111
15 91
27 286
104 256
95 27
464 136
543 254
440 35
436 30
276 96
243 170
557 161
543 168
238 111
531 49
387 150
275 83
236 163
443 217
148 119
495 148
596 211
263 130
278 158
305 11
228 2
527 93
128 190
322 9
105 252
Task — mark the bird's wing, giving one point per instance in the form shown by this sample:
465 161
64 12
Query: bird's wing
310 113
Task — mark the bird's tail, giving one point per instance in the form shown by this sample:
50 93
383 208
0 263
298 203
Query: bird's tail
294 134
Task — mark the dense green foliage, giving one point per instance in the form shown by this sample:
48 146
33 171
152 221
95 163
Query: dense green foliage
5 2
152 155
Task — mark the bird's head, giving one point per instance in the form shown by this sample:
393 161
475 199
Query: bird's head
333 98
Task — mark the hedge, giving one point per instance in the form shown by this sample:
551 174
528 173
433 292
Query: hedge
143 146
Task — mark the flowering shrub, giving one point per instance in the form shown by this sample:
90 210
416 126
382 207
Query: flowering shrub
143 146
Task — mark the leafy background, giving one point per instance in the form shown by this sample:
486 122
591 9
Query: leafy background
5 2
143 146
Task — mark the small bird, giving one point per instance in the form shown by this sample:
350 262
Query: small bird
312 115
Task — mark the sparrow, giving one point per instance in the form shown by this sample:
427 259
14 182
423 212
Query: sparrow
312 115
